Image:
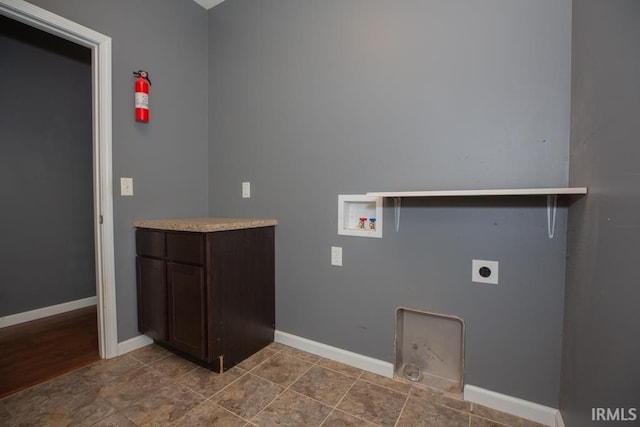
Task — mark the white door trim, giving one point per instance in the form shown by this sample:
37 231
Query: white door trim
100 46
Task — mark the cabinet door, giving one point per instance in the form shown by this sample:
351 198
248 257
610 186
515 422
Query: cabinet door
187 308
152 297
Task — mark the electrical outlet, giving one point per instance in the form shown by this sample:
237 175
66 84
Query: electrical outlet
483 271
246 190
126 186
336 256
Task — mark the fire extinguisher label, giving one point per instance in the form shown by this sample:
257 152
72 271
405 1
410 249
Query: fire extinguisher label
142 100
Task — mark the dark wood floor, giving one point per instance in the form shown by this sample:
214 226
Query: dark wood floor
36 351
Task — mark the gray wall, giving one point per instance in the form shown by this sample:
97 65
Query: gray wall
308 100
47 244
167 158
601 349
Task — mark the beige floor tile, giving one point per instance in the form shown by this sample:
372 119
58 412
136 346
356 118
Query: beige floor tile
501 417
149 354
303 355
385 382
5 416
282 369
173 366
67 392
342 419
105 371
420 413
155 387
292 409
256 359
483 422
163 406
248 396
373 403
32 402
340 367
276 346
209 414
82 415
441 398
207 383
132 387
115 420
78 410
323 384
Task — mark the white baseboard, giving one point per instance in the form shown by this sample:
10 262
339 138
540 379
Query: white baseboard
133 344
559 420
28 316
511 405
334 353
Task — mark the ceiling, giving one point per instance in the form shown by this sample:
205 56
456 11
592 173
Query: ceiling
208 4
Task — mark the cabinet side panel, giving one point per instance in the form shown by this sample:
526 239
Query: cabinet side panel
242 279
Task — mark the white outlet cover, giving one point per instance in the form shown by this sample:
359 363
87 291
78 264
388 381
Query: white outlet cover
477 265
246 190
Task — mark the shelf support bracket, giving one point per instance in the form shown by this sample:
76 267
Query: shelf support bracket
552 205
396 208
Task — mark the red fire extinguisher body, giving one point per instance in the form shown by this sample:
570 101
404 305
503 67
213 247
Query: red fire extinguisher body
141 87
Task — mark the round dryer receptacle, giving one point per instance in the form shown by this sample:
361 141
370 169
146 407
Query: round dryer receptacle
485 271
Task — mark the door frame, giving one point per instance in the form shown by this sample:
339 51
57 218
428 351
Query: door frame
100 46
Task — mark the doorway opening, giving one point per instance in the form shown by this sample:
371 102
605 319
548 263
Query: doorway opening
100 46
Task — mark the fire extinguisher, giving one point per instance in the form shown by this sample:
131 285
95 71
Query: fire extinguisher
142 95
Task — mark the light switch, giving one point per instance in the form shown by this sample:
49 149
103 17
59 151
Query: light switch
126 186
336 256
246 190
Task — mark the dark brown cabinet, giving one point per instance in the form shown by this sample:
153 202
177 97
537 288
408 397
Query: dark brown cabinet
152 297
208 296
187 308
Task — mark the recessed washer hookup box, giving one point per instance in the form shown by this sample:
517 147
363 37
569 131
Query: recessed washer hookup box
429 349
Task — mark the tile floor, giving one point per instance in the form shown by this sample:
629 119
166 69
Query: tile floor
278 386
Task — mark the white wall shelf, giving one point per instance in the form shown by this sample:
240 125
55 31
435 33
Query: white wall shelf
552 194
495 192
354 207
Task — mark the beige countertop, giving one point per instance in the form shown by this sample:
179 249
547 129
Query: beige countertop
204 225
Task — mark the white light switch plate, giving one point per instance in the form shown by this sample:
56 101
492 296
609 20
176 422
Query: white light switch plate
336 256
483 271
246 190
126 186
